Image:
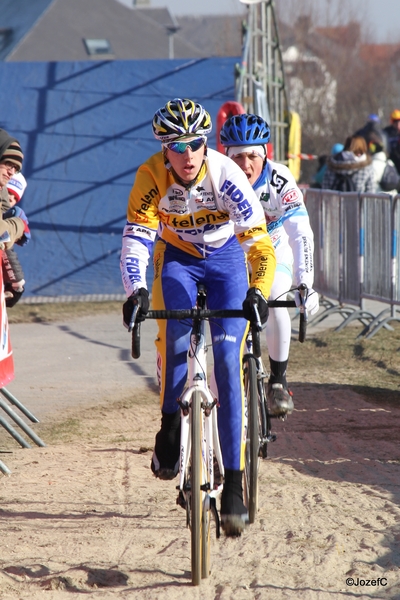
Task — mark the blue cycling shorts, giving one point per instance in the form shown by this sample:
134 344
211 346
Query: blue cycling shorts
225 276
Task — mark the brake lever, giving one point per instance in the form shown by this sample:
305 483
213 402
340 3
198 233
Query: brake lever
133 318
257 325
303 291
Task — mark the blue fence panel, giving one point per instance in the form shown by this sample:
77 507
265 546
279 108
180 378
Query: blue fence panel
396 251
377 235
350 264
85 127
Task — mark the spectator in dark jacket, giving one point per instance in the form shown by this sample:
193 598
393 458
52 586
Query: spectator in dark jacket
393 133
372 130
351 169
319 175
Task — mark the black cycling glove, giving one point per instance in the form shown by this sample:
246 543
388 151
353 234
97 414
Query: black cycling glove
141 297
254 296
12 296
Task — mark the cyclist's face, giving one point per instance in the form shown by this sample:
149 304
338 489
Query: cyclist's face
188 164
251 163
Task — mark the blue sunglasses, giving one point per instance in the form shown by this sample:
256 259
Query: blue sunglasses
181 147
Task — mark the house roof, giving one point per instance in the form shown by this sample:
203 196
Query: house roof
133 33
348 35
217 35
376 53
57 29
20 16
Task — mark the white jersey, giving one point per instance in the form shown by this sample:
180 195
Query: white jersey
287 219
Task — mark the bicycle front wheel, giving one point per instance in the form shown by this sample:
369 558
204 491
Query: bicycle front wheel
196 494
252 436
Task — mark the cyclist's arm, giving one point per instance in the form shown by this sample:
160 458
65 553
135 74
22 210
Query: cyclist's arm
250 228
296 222
139 232
301 239
257 244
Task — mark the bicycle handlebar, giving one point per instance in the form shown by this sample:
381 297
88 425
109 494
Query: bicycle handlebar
205 313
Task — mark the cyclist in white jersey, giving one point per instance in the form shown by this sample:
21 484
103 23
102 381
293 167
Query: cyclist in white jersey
245 138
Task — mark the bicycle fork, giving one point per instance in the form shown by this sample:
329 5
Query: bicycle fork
211 485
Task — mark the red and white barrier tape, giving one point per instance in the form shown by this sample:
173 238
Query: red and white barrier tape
303 156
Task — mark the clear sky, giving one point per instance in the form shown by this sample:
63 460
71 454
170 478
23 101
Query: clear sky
384 16
381 17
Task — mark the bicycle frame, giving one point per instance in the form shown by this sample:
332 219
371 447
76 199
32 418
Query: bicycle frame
199 441
197 381
199 420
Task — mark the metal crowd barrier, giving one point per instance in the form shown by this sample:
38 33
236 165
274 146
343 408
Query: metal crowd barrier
356 256
17 419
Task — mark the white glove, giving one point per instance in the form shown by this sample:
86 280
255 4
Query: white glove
312 302
18 286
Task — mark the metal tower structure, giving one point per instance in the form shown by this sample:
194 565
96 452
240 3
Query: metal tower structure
260 85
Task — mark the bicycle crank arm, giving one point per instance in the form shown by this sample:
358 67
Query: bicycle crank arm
214 512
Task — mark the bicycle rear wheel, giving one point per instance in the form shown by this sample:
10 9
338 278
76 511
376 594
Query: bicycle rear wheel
252 436
200 522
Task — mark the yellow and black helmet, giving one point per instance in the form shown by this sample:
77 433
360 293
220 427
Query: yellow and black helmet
180 117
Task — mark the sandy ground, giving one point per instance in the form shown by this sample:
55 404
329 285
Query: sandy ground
84 517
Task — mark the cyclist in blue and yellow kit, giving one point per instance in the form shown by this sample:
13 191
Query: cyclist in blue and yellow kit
208 224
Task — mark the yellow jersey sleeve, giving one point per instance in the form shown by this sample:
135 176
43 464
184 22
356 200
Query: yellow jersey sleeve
144 198
257 244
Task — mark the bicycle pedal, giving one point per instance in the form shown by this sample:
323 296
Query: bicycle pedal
281 417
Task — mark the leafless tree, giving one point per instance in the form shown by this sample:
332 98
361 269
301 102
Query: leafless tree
338 78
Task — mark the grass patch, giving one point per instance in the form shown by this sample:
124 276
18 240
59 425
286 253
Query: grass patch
61 431
59 311
98 422
371 367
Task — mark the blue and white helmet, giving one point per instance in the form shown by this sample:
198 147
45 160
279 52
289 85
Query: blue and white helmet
245 130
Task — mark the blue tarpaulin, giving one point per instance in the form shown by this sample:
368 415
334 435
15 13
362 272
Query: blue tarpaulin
85 127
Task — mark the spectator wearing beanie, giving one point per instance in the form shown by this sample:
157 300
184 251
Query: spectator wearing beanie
16 188
12 228
13 274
